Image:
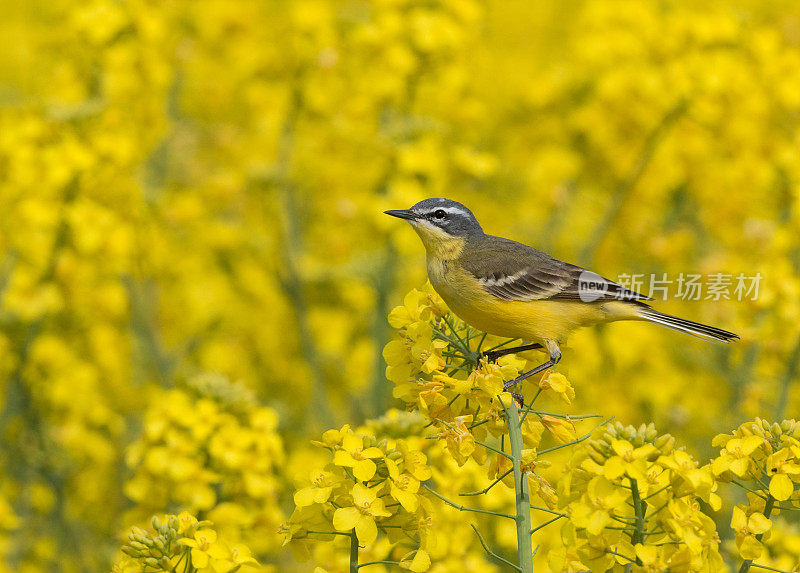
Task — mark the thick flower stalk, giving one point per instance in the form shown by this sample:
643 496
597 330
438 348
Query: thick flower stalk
635 502
762 458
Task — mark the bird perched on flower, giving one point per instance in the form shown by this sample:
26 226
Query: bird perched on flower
512 290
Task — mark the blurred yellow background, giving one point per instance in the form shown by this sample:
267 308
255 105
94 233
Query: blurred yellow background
196 188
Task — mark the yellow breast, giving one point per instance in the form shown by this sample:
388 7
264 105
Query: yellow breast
534 320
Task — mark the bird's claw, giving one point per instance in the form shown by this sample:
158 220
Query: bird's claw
490 355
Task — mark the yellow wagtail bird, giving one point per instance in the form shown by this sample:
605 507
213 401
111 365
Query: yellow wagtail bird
512 290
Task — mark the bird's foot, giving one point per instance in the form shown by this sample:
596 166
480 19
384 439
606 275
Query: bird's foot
490 355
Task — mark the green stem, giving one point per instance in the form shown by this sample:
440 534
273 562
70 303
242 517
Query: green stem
768 568
353 552
639 509
767 510
460 507
384 562
523 502
491 553
487 488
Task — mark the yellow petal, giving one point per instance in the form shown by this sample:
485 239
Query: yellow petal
343 458
781 487
377 509
409 501
364 470
372 453
739 467
366 530
621 447
199 559
750 443
613 468
597 522
749 547
738 519
394 472
647 553
352 442
345 518
758 523
720 465
421 562
304 497
362 495
322 494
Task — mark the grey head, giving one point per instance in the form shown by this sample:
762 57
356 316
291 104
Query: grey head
450 216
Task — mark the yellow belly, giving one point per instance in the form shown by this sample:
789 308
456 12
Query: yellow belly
535 321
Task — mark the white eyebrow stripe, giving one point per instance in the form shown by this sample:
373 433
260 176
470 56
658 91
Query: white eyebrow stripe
453 210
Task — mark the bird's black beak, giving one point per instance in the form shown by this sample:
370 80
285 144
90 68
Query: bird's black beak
402 214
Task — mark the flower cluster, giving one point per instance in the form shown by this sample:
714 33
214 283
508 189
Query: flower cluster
764 459
181 543
633 498
369 486
209 448
436 366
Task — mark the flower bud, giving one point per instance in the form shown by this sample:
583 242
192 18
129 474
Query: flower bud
597 457
156 523
598 447
665 443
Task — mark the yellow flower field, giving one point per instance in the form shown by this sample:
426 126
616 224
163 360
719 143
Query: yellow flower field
217 353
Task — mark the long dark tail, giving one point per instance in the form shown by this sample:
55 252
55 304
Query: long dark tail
687 326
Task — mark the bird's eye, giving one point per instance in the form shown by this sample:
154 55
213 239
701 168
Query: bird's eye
439 214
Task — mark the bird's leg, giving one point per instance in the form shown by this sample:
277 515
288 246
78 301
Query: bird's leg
493 355
555 356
